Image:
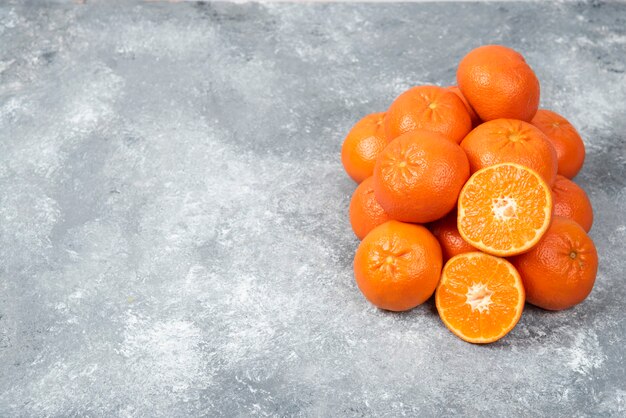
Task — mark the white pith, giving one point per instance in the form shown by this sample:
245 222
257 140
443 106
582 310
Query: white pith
504 208
479 297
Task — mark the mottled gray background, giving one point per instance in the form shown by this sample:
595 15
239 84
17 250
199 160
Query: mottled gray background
174 237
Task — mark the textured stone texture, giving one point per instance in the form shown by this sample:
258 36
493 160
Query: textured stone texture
174 237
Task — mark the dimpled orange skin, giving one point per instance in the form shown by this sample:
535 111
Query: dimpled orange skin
511 141
419 175
365 212
569 146
473 116
498 83
447 233
364 142
571 201
559 272
397 266
431 108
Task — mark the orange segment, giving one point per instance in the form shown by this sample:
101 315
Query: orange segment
480 297
504 209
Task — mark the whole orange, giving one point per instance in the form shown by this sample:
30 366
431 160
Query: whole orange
447 233
571 201
470 111
365 212
511 141
431 108
419 175
559 272
397 265
569 146
364 142
498 83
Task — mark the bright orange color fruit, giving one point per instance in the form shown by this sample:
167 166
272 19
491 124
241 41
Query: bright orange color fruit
470 111
418 176
480 298
569 146
511 141
431 108
571 201
504 209
364 142
446 232
498 83
559 272
365 212
397 265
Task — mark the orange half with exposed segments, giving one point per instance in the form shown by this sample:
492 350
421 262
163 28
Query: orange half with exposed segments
504 209
480 297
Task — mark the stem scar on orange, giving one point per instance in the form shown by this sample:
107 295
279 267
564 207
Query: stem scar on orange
397 265
480 298
504 209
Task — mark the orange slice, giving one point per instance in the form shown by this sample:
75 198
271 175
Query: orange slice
504 209
480 297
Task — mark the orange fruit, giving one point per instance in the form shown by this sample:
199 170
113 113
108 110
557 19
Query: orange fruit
559 272
397 265
470 111
498 83
569 146
365 212
418 176
431 108
510 141
504 209
364 142
480 298
446 232
571 201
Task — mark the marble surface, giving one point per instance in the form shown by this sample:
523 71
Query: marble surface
174 238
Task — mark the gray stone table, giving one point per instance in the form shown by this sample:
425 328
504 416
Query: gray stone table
174 237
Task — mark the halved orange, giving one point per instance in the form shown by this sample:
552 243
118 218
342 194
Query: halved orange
504 209
480 297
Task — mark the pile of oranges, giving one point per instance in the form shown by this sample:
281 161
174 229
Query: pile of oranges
476 177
